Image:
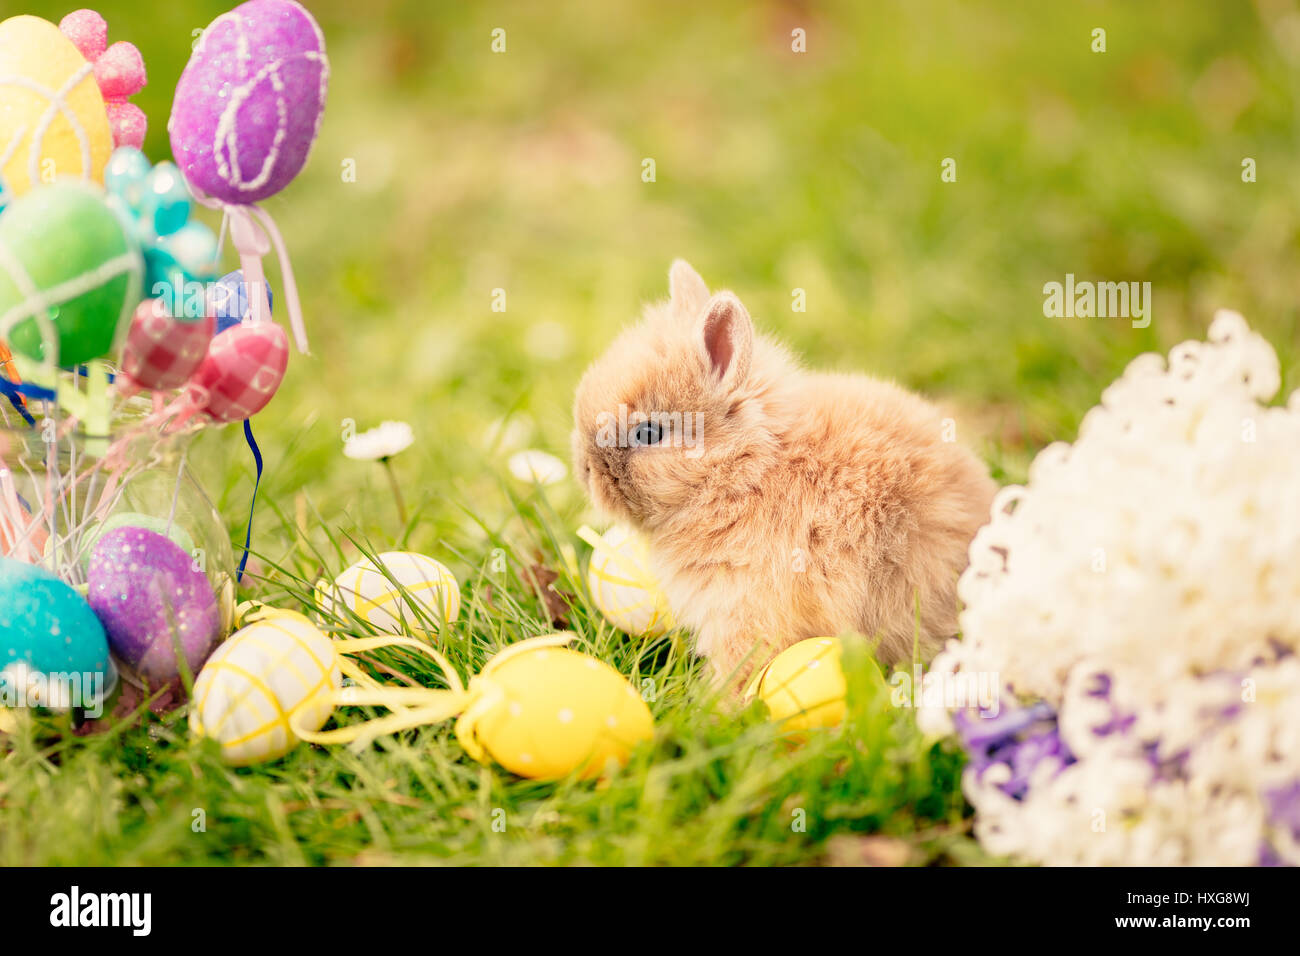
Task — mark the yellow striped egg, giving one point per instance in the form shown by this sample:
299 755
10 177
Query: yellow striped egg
52 116
251 685
803 686
622 585
374 596
547 712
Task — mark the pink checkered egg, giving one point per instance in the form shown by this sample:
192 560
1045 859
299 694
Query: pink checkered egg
161 352
241 372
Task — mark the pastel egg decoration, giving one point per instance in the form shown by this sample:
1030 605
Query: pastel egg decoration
53 121
622 585
161 352
546 712
152 601
249 103
75 273
119 72
229 299
375 597
240 373
48 629
277 668
804 686
180 253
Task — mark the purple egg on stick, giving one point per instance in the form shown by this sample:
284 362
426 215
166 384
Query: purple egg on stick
146 592
250 101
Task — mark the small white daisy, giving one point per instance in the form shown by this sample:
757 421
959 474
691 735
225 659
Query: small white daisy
387 440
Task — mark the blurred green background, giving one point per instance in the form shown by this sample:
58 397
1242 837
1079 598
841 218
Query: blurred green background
775 170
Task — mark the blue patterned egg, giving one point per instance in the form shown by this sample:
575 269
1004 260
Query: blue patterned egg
229 298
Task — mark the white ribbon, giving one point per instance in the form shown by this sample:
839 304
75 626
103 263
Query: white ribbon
253 241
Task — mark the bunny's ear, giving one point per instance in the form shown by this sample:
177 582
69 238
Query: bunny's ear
687 289
727 339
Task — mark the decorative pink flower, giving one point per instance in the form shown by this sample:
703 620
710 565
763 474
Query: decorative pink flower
119 71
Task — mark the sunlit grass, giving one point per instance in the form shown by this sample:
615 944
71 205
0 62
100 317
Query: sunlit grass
715 786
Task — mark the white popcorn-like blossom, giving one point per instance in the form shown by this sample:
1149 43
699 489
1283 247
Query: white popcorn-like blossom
1140 599
387 440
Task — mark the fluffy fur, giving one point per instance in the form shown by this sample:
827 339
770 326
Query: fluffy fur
809 504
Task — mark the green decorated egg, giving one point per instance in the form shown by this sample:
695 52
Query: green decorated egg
71 273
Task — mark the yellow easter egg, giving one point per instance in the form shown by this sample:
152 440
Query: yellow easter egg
374 597
52 116
547 712
253 683
803 686
622 585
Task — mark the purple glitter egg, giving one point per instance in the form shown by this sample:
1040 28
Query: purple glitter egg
146 592
249 103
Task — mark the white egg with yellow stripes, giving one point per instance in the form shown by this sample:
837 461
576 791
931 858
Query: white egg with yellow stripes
382 593
622 585
274 669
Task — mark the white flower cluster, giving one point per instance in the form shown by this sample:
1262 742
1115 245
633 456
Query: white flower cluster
1145 586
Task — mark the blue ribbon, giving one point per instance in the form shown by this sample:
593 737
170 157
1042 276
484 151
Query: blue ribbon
14 394
248 533
84 372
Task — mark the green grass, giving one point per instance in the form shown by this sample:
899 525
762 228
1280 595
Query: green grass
775 171
716 785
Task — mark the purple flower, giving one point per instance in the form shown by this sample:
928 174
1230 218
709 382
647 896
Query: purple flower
1025 756
1101 686
1284 807
1167 768
982 732
1019 738
1268 856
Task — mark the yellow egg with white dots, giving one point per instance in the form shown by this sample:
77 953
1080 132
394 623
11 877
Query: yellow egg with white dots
396 589
547 712
274 669
623 586
803 686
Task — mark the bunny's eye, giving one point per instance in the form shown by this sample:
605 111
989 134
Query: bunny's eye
647 433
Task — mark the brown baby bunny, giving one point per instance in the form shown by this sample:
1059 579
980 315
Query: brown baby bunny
780 504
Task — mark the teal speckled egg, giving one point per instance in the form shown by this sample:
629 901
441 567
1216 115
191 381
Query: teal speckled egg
48 627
